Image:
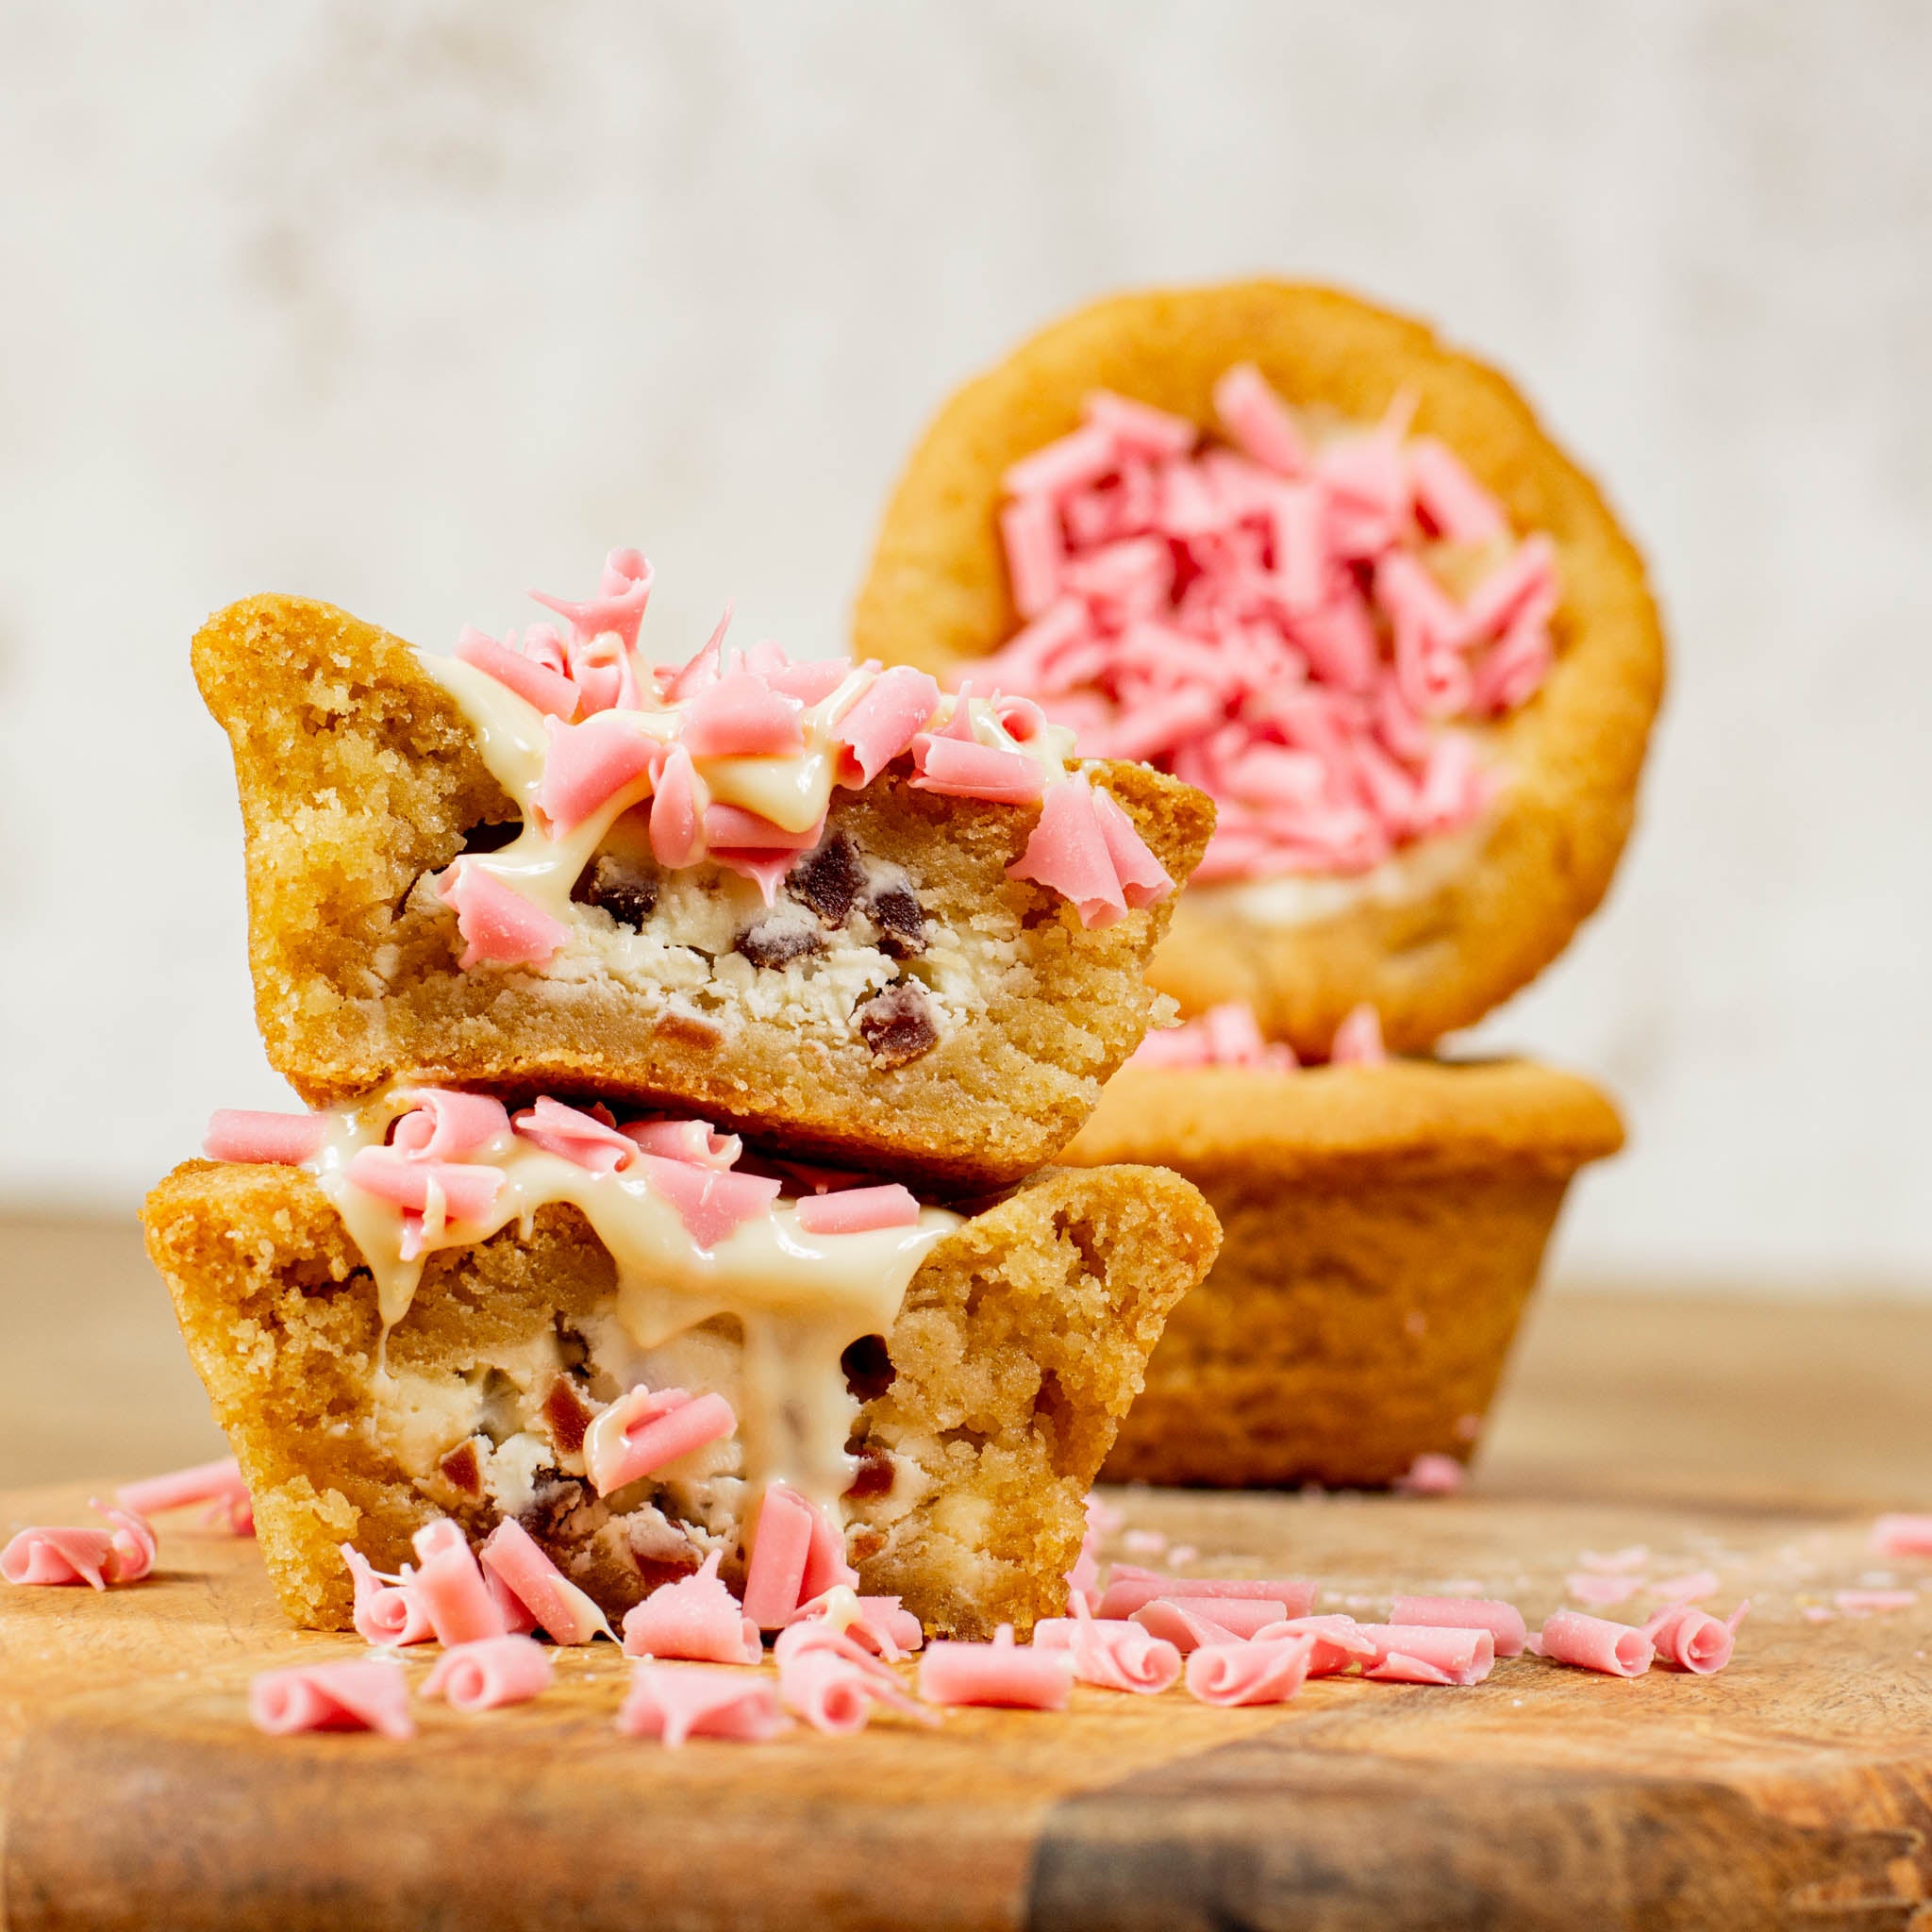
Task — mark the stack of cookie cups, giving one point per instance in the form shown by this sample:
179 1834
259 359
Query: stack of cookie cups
1295 550
683 1046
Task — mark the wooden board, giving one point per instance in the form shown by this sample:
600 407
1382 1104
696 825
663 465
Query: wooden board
1794 1790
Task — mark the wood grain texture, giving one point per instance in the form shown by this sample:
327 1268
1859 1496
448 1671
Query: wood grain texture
1794 1790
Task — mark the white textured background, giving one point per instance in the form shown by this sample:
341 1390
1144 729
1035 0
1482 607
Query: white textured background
412 306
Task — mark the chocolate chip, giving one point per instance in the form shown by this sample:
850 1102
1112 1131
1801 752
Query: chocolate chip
901 920
461 1468
778 942
488 837
897 1026
873 1476
556 1498
625 892
567 1415
828 878
869 1371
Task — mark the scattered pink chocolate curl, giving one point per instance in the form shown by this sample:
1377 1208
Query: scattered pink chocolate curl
575 1136
1182 1620
1250 1672
285 1140
1464 1656
1113 1654
859 1210
1504 1622
386 1613
645 1429
1594 1643
557 1606
499 927
1432 1475
53 1554
1129 1587
489 1673
331 1697
1903 1536
696 1619
678 1701
218 1484
1687 1639
998 1672
450 1587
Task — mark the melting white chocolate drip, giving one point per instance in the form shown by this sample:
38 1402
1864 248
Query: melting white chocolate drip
793 790
800 1299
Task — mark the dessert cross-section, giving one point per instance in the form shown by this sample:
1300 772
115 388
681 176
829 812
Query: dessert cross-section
649 1349
822 901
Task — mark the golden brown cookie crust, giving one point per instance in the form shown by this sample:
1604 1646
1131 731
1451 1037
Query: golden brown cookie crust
1021 1343
1382 1228
935 594
359 776
1347 1124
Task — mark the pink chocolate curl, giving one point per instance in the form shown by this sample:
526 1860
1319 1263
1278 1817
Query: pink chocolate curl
678 824
1464 1656
562 1611
331 1697
696 1619
962 769
589 764
859 1210
1257 1672
1594 1643
694 1142
1903 1536
1115 1655
796 1554
712 1204
894 710
1450 501
1432 1475
451 1587
131 1555
1189 1621
998 1672
1067 852
489 1673
624 591
448 1125
517 1620
1030 533
678 1701
386 1613
284 1140
1504 1622
1128 1588
581 1138
1338 1642
1257 424
551 692
468 1191
742 717
1357 1042
876 1624
645 1429
54 1554
218 1483
1687 1639
500 927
